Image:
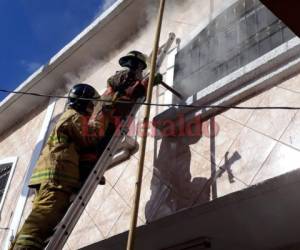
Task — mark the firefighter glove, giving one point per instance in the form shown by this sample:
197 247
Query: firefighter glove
158 79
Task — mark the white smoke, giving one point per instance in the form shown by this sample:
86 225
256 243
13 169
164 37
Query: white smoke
177 18
199 15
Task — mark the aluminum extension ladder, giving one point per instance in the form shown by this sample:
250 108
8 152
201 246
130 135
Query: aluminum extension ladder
69 221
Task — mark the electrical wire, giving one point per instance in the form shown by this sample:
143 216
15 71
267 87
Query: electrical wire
155 104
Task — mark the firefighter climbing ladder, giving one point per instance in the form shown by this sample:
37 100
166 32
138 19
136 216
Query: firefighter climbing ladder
65 227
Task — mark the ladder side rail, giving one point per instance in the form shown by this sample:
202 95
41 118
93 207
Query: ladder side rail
164 50
70 219
65 227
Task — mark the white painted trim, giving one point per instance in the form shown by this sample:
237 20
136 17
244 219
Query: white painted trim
170 75
18 212
13 161
170 72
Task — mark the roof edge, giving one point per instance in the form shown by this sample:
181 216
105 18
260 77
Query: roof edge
71 47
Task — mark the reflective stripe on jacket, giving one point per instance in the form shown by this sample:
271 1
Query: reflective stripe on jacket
60 157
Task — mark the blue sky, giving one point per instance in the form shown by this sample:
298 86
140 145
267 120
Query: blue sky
32 31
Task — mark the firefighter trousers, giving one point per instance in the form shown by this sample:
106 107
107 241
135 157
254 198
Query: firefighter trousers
49 206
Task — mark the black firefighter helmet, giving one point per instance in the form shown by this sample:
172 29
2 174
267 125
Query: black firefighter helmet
82 90
133 60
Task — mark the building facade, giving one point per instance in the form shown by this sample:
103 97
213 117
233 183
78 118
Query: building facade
227 53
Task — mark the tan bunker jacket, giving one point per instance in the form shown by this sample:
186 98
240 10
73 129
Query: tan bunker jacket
59 161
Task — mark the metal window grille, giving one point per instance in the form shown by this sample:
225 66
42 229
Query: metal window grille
4 175
242 33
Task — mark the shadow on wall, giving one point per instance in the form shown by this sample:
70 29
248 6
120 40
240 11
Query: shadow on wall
227 166
172 186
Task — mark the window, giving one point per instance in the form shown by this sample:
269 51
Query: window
242 33
4 175
7 167
241 53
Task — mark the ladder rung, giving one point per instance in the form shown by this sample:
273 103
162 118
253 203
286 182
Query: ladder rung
70 219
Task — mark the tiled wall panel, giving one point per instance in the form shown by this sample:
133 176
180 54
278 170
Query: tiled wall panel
248 146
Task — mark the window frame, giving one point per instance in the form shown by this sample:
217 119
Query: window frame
262 74
13 161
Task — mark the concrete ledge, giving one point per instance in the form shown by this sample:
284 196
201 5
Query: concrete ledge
261 217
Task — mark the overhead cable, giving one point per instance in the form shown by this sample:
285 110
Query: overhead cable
156 104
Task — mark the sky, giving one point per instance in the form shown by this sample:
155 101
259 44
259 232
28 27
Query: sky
32 31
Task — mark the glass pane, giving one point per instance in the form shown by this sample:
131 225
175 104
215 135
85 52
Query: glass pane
240 34
4 175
